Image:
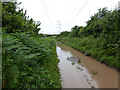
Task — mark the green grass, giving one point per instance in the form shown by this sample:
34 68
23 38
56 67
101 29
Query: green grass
94 47
73 63
93 72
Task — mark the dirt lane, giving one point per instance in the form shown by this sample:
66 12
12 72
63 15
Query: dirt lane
94 74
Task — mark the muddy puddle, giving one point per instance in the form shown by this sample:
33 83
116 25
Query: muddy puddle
80 71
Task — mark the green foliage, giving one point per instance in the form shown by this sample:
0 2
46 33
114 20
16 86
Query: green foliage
95 48
64 33
100 38
74 32
16 20
94 73
29 62
100 23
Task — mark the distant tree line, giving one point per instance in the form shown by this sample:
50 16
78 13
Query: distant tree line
104 24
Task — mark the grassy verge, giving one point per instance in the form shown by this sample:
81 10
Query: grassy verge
94 47
29 62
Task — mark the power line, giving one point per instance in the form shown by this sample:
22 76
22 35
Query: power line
78 12
74 9
46 11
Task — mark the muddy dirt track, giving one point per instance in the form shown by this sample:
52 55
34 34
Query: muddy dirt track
80 71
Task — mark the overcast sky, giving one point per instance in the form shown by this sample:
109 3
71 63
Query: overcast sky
68 12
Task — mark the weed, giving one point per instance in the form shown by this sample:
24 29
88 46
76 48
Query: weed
94 73
73 63
79 61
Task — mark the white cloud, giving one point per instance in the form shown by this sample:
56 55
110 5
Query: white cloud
69 12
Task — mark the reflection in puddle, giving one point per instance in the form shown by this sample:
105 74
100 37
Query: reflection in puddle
74 74
85 73
80 71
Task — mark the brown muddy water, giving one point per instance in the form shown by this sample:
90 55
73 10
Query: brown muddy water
85 73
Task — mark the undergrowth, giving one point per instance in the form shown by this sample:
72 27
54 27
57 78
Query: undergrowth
29 62
94 47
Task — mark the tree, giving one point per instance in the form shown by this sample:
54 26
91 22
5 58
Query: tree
75 31
16 20
64 33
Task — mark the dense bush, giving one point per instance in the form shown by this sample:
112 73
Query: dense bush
25 60
100 38
64 33
28 61
14 20
93 47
